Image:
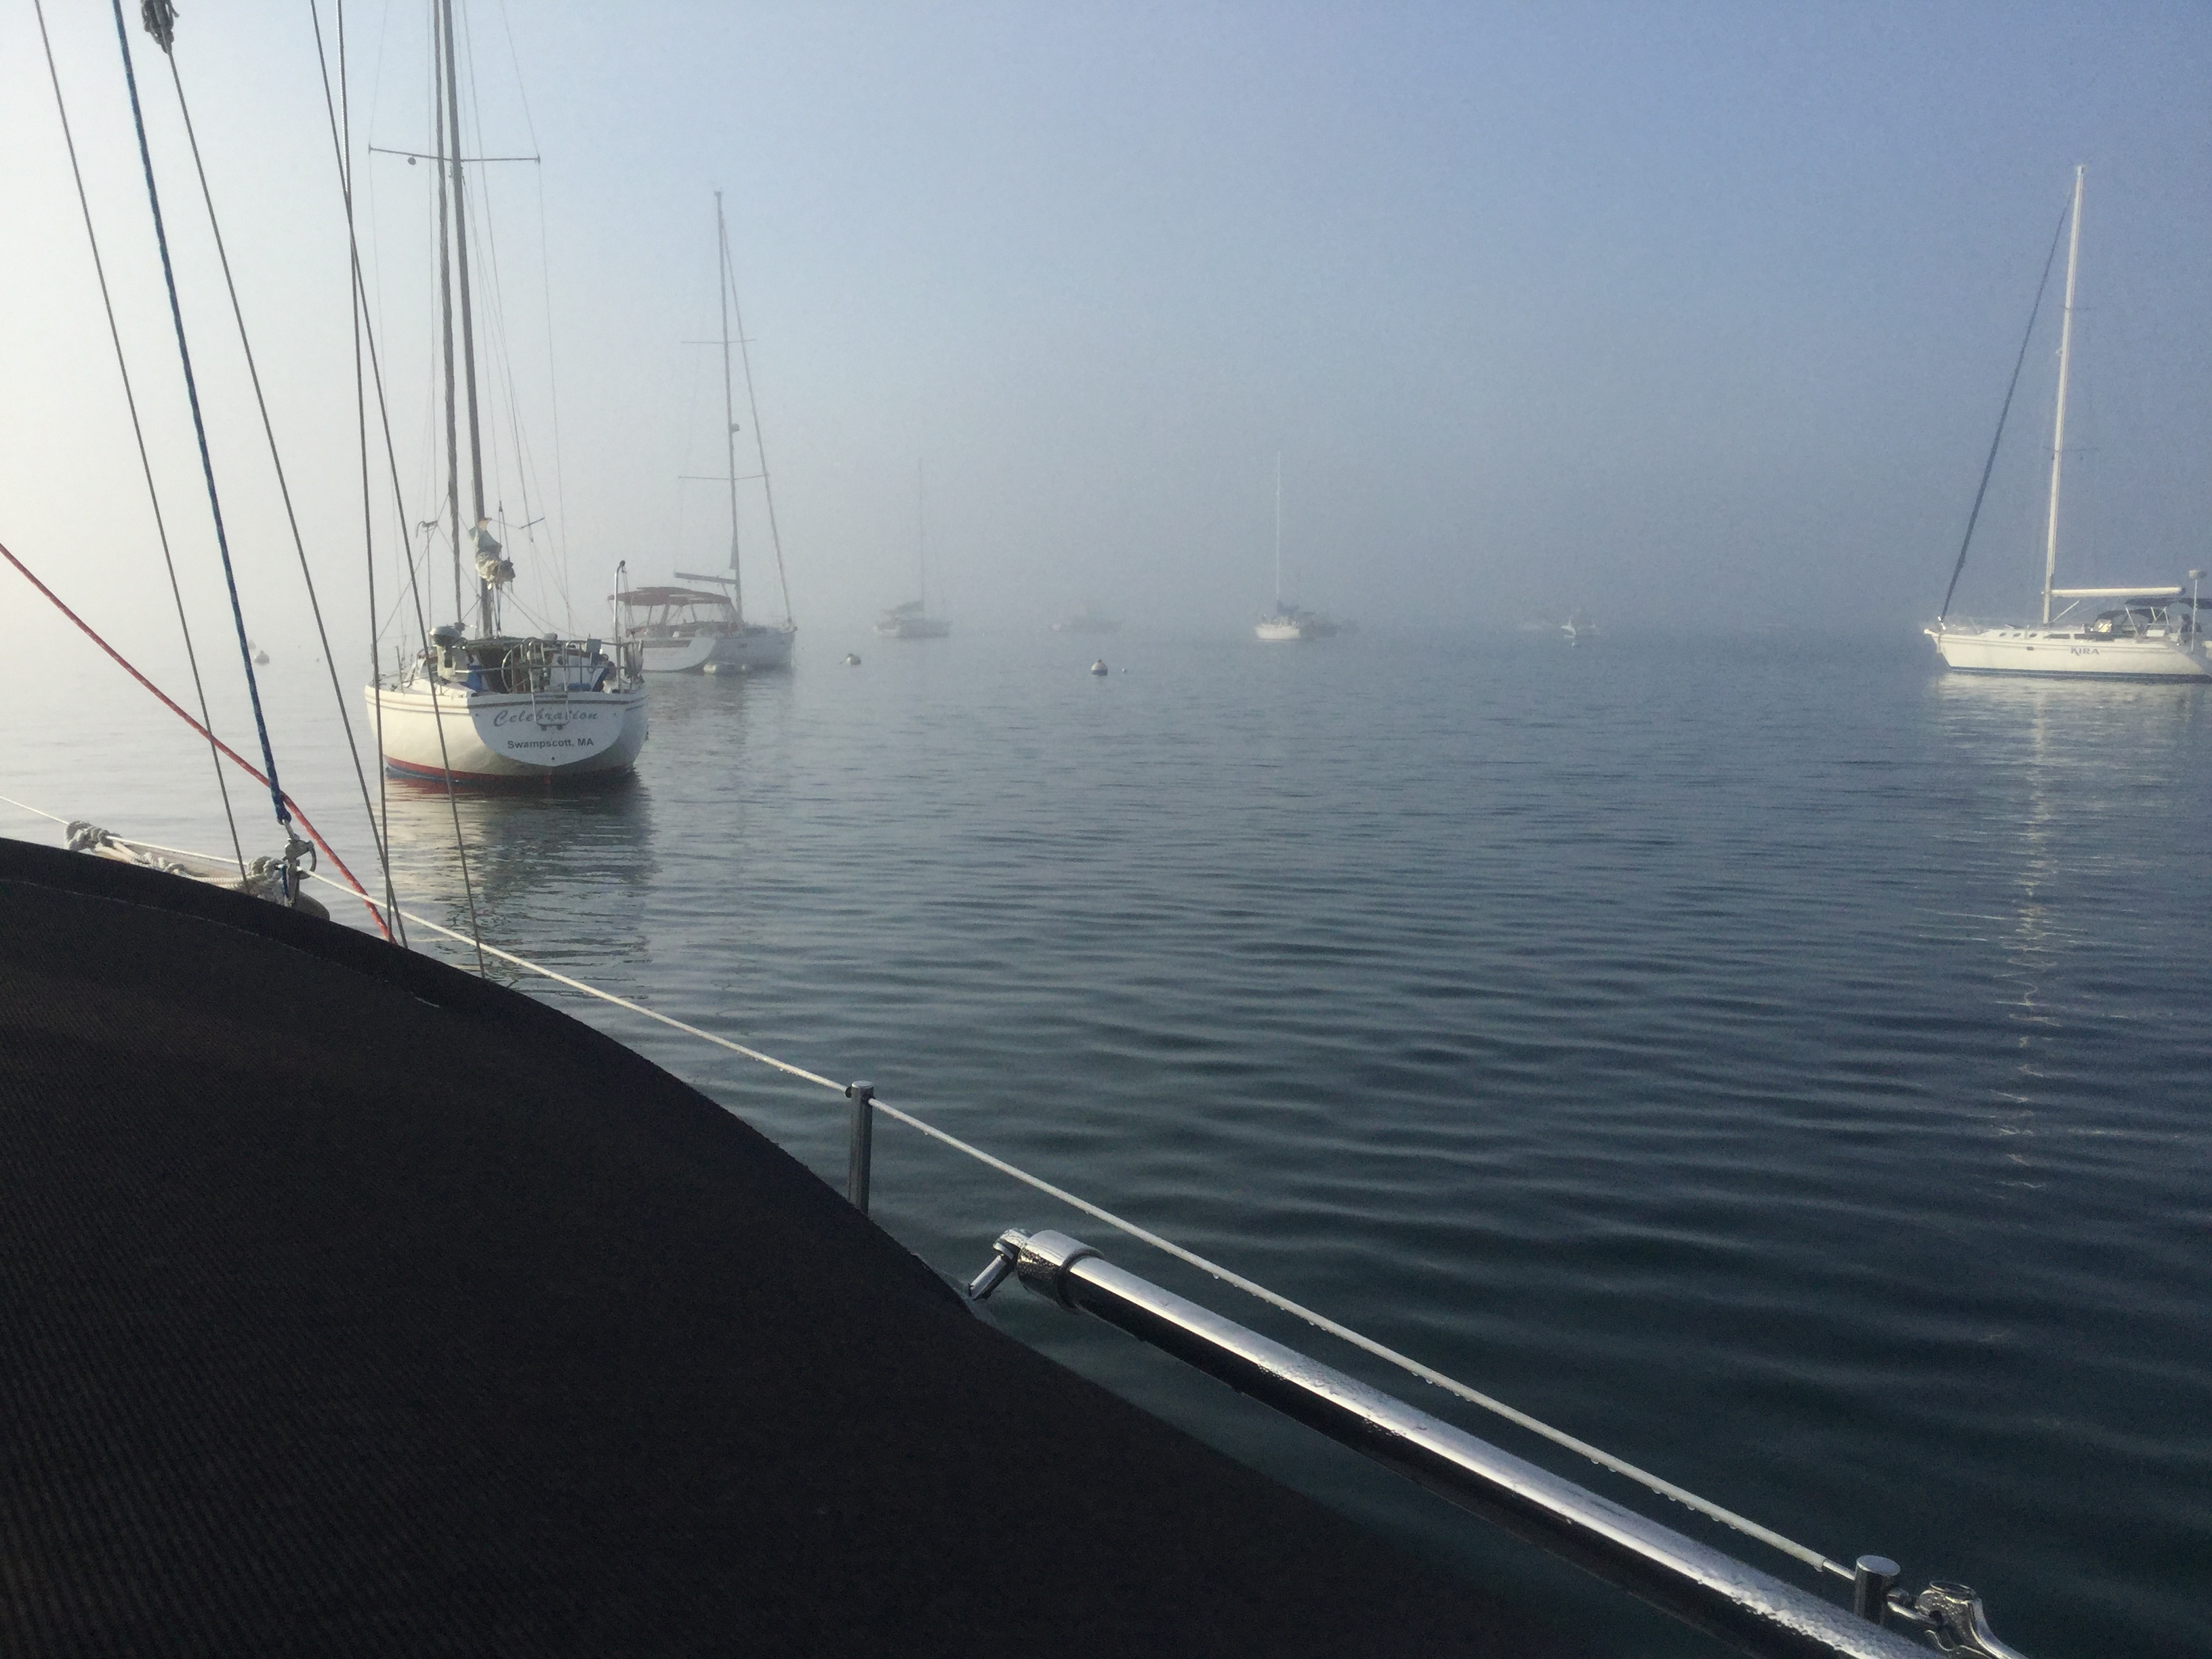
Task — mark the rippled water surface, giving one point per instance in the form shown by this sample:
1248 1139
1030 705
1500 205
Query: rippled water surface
1775 1060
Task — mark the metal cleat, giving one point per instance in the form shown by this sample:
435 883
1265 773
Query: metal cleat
1949 1618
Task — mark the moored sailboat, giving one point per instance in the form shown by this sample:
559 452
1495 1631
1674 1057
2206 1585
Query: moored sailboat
689 631
912 620
1288 621
2142 632
489 706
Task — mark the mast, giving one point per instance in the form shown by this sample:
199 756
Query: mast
729 408
752 408
2058 422
468 321
445 306
1279 532
921 545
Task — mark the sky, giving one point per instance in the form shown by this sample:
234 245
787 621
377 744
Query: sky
1690 317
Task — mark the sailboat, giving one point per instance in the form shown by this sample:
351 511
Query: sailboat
693 630
2141 632
1288 621
912 620
482 705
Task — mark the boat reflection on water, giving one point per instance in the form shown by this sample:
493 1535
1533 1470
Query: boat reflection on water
2081 728
2064 745
561 877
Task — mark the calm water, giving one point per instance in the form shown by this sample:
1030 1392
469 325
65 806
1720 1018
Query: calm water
1778 1061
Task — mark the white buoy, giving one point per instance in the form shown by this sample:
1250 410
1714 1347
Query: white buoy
1099 668
852 659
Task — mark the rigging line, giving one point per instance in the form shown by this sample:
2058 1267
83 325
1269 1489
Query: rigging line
496 309
137 431
499 344
391 616
487 590
752 406
361 426
729 415
501 362
192 393
235 758
526 458
2011 386
445 303
1606 1460
399 502
560 535
277 463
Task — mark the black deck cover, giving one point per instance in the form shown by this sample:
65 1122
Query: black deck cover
352 1305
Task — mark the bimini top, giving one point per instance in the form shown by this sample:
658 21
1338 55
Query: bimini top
643 598
2115 593
354 1303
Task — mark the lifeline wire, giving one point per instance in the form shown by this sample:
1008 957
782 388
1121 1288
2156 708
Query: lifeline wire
158 20
283 486
139 432
1750 1528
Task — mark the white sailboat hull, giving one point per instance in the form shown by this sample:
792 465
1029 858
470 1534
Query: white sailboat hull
739 649
682 654
751 646
500 737
912 627
1295 625
2033 648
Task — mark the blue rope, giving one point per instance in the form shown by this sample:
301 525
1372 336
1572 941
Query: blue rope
199 426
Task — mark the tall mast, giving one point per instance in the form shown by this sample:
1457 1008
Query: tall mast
729 408
445 304
752 408
1279 532
468 322
920 544
2058 422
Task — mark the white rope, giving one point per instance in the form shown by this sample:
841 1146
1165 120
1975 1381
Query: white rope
1665 1488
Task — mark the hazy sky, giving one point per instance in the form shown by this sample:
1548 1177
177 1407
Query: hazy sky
1674 312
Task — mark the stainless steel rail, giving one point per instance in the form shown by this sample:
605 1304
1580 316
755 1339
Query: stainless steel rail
1750 1610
